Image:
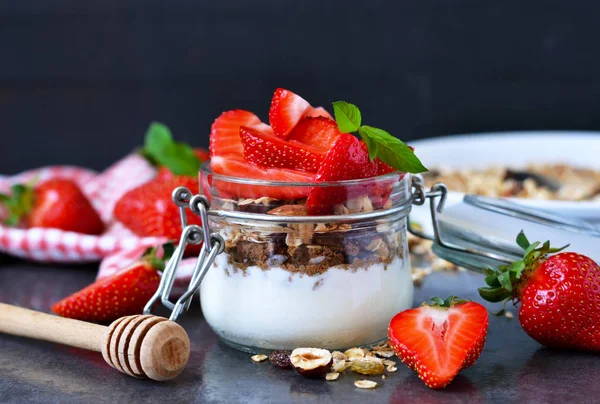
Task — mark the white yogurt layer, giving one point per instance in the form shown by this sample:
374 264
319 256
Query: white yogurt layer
276 309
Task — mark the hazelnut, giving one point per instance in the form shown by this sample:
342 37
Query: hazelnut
311 362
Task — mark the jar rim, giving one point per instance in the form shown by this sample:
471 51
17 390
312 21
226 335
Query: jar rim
205 169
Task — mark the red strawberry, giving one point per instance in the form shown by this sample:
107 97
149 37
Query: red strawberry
559 295
148 210
439 340
240 168
225 132
318 132
56 203
270 151
122 294
348 159
202 154
287 109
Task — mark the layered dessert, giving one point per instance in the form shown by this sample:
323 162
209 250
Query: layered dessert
314 225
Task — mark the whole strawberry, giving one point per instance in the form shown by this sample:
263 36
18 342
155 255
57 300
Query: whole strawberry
559 295
440 339
148 210
122 294
56 203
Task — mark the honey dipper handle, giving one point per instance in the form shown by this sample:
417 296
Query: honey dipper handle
34 324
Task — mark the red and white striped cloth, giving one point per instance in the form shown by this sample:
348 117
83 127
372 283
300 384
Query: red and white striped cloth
116 248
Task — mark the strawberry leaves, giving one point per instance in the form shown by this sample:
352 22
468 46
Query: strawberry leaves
161 150
19 203
503 283
380 143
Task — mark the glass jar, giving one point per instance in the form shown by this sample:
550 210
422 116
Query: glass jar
329 276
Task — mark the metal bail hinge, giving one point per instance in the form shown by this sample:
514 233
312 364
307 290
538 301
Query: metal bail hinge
191 234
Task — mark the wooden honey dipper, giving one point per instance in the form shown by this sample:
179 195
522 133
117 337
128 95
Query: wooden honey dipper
142 346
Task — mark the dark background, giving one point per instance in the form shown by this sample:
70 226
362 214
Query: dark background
80 80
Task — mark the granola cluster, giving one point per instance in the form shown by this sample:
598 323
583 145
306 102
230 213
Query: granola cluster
575 184
309 248
315 362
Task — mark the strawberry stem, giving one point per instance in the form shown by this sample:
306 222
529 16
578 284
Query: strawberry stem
504 284
156 260
451 301
19 203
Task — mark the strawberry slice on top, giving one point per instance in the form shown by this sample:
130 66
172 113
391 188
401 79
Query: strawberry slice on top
225 132
319 132
287 109
439 340
348 159
240 168
270 151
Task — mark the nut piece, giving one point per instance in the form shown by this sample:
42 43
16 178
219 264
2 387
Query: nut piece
338 356
368 366
289 210
384 352
339 366
332 376
392 368
311 362
389 363
353 354
259 358
365 384
281 359
339 361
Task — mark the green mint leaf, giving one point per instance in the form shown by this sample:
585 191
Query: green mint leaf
392 150
161 150
522 240
372 146
347 116
159 142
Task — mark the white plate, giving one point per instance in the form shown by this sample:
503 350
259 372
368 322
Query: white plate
514 149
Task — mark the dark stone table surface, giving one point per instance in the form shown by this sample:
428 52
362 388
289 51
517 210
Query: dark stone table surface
512 367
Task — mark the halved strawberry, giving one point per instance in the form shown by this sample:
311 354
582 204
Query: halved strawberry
270 151
225 132
439 340
348 159
287 109
318 132
238 167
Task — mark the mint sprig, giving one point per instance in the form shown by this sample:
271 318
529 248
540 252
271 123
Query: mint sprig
389 149
161 150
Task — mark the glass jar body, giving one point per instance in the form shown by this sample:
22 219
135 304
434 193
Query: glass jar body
331 284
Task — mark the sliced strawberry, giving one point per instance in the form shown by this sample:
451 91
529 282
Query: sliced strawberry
225 132
348 159
287 109
316 112
240 168
270 151
440 340
202 154
318 132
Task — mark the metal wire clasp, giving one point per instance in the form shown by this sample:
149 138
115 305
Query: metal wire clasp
439 190
192 234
